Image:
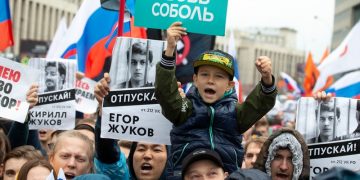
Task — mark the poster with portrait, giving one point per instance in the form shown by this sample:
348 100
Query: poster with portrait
332 132
131 111
134 61
85 97
15 81
56 102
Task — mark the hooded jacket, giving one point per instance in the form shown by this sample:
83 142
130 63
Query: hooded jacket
292 139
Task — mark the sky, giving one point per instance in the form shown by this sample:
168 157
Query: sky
312 19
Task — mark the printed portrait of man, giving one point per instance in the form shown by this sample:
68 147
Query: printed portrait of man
328 119
356 132
139 61
55 73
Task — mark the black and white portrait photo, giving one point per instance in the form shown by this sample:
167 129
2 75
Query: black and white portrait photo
133 63
56 75
320 121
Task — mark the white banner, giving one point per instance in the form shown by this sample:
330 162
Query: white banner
15 81
56 105
344 58
85 97
332 131
134 115
324 156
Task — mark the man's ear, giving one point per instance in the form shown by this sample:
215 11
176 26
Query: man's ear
226 174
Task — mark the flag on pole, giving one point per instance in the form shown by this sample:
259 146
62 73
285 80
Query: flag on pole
311 75
291 84
6 34
87 35
58 37
346 86
344 58
232 52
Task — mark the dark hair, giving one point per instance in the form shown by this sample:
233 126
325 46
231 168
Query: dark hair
85 127
328 107
4 145
56 133
22 175
61 68
139 48
26 152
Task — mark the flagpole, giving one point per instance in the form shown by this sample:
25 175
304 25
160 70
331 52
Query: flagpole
121 18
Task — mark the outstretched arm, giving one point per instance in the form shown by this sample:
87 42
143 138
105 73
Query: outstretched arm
261 99
174 106
109 159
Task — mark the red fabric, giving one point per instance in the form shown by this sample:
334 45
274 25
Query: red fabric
6 39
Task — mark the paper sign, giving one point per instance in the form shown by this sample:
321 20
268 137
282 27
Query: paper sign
332 131
56 102
324 156
134 115
15 81
198 16
85 97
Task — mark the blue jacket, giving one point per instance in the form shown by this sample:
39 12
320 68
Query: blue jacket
211 127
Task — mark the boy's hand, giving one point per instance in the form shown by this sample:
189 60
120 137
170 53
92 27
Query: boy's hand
174 33
322 96
181 91
32 95
263 65
102 88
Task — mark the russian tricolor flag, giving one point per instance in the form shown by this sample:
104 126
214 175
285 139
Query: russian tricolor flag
88 36
291 83
347 86
6 36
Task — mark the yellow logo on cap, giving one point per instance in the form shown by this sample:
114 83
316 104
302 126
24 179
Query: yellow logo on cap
218 59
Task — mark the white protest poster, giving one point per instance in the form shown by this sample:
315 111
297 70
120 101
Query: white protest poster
85 97
15 81
56 102
332 131
133 62
134 115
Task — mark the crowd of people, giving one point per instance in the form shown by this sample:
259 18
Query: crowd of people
213 136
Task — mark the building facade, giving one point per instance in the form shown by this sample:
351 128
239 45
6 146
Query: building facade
347 14
278 44
35 23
